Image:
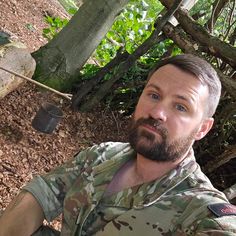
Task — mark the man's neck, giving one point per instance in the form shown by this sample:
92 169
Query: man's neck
138 171
148 170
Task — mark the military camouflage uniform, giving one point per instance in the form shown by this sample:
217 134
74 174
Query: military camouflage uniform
176 204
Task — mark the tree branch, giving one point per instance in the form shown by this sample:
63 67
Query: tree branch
124 66
230 25
91 83
190 46
218 5
216 47
232 37
118 73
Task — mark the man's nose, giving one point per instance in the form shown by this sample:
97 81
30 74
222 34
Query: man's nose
158 112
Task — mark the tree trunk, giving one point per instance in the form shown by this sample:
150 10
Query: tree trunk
63 57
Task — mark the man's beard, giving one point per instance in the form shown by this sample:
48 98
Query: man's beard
145 142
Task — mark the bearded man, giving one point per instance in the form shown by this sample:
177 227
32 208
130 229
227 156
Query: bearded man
149 186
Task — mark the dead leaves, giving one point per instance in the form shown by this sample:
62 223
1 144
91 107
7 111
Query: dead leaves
25 152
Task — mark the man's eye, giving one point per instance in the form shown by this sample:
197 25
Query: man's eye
181 108
154 96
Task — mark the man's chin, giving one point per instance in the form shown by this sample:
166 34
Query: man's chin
145 142
145 145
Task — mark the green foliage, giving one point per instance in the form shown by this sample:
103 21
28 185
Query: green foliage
55 25
72 10
226 21
201 7
131 28
89 70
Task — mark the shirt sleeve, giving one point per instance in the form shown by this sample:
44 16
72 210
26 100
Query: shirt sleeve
50 189
222 226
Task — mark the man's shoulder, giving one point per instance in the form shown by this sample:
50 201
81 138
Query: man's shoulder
104 151
204 210
222 219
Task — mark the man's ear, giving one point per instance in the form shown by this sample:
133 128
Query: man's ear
204 128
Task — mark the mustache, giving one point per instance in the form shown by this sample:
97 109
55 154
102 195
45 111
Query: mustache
152 122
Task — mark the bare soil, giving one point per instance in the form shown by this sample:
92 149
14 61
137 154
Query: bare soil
25 152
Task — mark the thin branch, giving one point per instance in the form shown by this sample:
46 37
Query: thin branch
117 125
188 45
216 47
114 42
91 83
230 25
212 20
8 168
232 37
67 96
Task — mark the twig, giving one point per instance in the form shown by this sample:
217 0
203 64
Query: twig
9 169
117 125
67 96
213 16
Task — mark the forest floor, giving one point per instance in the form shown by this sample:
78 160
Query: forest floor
25 152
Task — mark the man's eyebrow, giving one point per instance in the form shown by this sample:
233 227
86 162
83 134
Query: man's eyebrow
189 100
184 98
153 86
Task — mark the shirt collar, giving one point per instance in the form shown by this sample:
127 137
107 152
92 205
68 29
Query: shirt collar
146 194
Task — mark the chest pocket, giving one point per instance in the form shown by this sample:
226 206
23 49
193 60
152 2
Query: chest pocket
153 220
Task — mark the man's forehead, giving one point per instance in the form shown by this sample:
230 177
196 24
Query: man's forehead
172 67
183 85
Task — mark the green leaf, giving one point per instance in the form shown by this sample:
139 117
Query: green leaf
46 30
72 10
49 19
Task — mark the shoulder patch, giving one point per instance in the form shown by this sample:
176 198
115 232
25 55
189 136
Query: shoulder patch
222 209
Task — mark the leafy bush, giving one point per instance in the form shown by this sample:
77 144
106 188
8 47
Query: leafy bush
55 25
131 28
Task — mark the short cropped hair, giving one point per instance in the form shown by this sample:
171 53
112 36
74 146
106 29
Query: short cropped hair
202 70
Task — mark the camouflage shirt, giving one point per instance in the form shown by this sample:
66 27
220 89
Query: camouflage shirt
183 202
